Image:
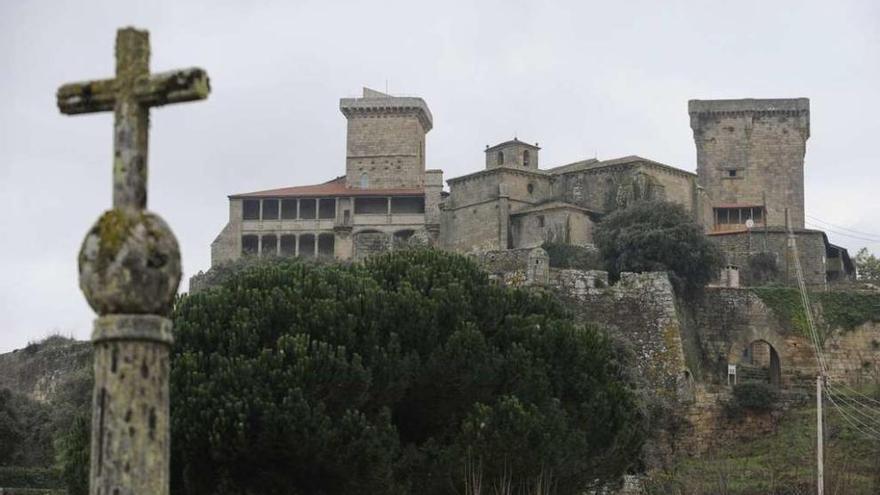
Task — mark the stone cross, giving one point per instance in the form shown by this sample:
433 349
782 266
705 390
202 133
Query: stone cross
129 268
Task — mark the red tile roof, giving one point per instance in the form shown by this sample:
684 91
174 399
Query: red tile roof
332 188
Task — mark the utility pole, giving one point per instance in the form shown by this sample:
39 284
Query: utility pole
820 465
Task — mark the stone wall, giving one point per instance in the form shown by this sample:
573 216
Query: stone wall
739 247
557 225
640 307
388 148
227 246
604 188
752 151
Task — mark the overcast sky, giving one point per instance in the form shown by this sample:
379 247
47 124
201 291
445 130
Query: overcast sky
581 78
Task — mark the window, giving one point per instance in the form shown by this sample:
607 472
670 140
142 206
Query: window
526 158
250 245
365 181
731 172
326 245
371 206
408 205
530 188
735 218
500 158
308 209
270 209
250 209
270 245
327 208
541 221
288 245
288 209
307 245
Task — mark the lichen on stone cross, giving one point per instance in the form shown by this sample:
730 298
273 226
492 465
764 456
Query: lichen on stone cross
130 262
129 268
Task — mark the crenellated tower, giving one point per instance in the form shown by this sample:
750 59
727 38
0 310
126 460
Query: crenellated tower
750 159
385 146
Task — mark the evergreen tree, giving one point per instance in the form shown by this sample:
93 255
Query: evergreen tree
390 376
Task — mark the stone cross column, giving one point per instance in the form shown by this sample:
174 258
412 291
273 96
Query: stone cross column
129 271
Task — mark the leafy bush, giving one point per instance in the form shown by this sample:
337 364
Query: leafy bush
658 236
386 377
754 396
571 256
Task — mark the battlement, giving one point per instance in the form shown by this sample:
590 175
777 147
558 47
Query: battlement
786 106
374 103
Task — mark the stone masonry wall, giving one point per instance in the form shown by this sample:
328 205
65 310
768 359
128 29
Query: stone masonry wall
738 247
389 148
764 142
640 307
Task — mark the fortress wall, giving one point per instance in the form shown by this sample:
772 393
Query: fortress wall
739 247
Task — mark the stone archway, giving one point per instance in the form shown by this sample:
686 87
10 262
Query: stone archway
759 362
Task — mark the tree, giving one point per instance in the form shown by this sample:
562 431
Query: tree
72 449
389 376
10 429
868 265
658 236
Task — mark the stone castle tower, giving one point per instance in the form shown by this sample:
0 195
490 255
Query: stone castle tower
385 147
750 159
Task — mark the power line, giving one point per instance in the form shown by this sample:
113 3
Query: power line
866 239
869 234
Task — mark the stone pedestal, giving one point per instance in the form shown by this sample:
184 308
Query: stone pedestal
130 410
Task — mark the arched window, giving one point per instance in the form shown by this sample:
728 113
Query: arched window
500 158
526 158
365 181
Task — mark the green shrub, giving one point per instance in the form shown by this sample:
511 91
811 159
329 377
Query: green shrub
755 396
386 377
571 256
652 236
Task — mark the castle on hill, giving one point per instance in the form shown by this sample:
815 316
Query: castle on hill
748 189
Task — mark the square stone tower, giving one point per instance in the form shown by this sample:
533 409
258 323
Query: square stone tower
386 140
750 159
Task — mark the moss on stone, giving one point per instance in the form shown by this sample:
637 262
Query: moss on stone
843 310
786 304
847 310
114 227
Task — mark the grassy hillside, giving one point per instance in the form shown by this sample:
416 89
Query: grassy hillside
781 463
